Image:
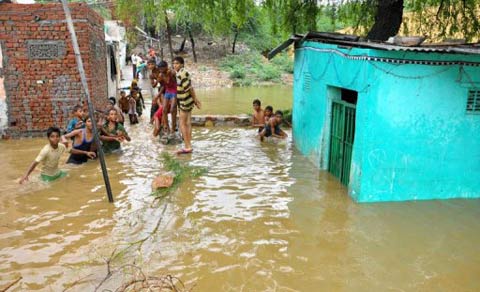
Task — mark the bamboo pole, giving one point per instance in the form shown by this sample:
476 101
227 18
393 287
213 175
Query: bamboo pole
83 78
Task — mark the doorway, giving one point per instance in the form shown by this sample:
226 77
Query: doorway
342 135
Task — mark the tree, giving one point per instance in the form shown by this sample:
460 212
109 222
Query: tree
436 18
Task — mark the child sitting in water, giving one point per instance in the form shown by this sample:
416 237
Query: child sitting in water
113 133
267 113
49 157
77 121
272 128
258 119
82 143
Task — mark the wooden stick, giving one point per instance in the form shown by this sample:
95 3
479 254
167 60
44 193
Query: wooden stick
11 284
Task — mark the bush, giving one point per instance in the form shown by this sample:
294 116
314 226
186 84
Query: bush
237 73
251 68
269 73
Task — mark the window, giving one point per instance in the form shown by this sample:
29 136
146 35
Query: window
473 102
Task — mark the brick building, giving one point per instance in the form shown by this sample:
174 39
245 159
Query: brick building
38 72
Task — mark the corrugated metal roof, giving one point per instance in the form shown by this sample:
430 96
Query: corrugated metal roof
355 41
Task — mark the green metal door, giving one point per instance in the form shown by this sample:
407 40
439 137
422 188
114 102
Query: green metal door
342 134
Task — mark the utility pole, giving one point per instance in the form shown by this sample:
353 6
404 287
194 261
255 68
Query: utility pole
83 78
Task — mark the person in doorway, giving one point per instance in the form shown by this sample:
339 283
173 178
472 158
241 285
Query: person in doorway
49 157
187 99
82 143
77 121
113 133
258 118
168 81
272 128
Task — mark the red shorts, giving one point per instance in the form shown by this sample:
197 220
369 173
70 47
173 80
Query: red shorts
158 113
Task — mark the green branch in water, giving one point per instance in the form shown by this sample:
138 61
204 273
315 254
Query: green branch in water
181 171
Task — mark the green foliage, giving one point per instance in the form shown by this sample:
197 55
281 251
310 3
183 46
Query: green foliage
253 68
237 73
287 117
181 172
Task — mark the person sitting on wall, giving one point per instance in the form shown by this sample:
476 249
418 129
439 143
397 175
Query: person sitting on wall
267 113
258 119
272 128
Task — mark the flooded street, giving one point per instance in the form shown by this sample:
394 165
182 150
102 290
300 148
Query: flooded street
261 219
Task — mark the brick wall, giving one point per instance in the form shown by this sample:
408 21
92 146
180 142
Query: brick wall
42 82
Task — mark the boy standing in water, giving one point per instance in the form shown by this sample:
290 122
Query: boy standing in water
186 98
154 82
49 157
123 102
272 128
167 79
258 120
77 121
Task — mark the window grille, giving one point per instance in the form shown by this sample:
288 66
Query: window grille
473 102
307 79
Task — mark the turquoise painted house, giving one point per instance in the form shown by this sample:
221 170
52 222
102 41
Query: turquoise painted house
391 122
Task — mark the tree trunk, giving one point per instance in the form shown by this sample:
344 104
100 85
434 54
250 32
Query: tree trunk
169 36
193 45
234 41
388 19
182 45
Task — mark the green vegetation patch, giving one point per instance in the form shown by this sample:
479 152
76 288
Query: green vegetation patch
181 171
253 68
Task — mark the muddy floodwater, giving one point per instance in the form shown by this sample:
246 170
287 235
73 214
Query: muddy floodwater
238 100
261 219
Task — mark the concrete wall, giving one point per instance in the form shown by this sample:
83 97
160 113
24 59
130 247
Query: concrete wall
41 78
413 140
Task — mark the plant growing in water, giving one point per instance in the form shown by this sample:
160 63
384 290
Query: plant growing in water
180 171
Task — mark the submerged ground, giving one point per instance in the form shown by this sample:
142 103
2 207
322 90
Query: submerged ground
262 218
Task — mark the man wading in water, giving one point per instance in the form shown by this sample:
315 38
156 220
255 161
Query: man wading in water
187 99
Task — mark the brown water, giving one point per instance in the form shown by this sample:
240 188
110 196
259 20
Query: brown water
238 100
262 219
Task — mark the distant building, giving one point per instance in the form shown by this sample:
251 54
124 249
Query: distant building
39 76
391 122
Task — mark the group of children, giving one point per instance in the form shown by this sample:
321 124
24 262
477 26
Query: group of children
267 123
175 88
80 134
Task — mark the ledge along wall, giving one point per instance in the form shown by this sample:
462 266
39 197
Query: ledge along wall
414 138
41 78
